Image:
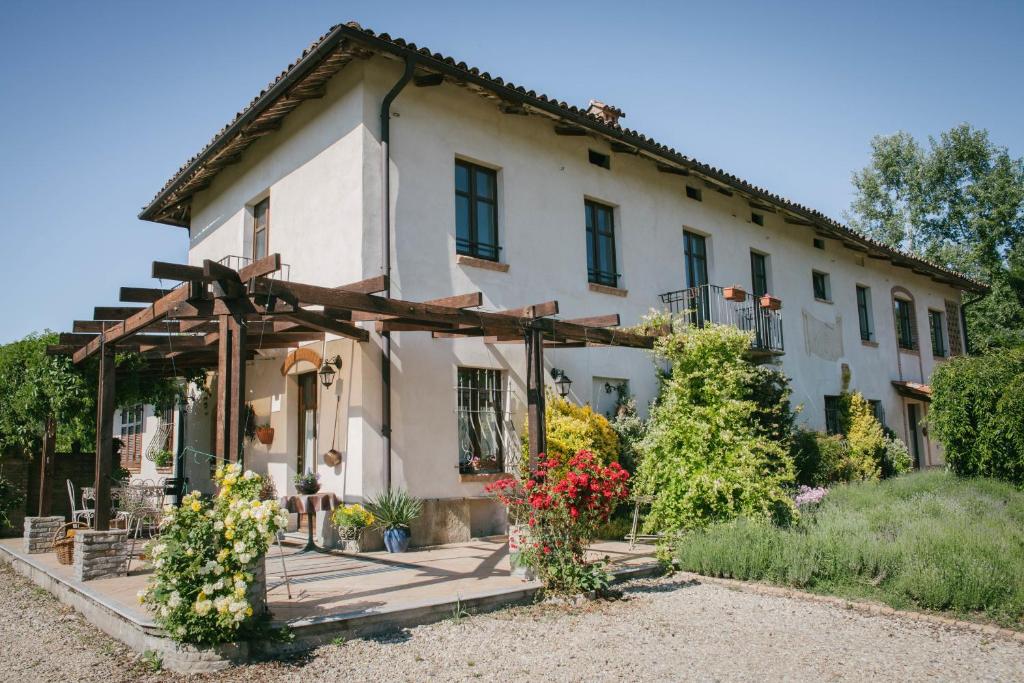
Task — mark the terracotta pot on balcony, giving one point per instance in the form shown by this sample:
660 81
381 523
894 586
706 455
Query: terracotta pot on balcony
772 303
735 293
265 435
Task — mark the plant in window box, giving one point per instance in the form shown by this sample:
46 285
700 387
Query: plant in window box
352 521
394 511
163 458
772 303
265 434
478 465
307 483
735 293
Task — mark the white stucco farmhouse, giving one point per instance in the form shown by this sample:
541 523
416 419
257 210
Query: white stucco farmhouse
371 155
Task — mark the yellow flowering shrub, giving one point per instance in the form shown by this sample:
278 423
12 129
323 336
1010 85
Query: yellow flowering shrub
572 428
205 558
353 516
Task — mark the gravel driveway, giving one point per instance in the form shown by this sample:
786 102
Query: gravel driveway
664 629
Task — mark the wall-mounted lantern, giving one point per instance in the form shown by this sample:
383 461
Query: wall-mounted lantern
327 373
562 381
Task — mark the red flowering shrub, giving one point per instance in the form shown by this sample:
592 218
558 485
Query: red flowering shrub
564 504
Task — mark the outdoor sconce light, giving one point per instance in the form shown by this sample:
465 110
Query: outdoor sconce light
327 372
562 381
609 387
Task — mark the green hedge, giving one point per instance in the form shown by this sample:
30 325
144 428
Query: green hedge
977 413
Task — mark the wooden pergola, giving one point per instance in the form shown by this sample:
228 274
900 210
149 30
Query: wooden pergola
219 317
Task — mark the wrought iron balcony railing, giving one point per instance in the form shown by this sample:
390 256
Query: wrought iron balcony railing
707 304
238 262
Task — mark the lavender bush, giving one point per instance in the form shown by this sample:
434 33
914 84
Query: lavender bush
807 496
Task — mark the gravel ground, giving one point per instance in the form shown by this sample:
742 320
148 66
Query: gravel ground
662 629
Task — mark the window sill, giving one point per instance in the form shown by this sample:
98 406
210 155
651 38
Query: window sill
605 289
823 301
484 477
869 342
909 352
936 356
464 260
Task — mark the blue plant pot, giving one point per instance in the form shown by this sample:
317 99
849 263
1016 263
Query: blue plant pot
396 540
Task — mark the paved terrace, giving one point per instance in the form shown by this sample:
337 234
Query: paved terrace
343 589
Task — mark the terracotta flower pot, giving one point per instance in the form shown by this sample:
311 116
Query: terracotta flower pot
735 293
265 435
772 303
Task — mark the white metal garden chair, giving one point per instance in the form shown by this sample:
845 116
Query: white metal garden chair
79 513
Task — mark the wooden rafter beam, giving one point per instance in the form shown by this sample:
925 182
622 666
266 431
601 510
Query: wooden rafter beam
611 320
142 295
136 323
176 271
115 312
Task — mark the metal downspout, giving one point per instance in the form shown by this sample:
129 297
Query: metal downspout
385 194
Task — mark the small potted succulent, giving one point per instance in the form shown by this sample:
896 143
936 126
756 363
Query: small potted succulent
735 293
307 483
772 303
352 521
265 434
394 511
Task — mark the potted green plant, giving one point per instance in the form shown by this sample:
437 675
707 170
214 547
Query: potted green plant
352 521
307 483
163 459
395 510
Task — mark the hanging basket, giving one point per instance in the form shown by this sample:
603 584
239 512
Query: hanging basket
265 435
64 541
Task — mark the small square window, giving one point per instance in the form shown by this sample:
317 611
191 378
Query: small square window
757 218
822 288
693 193
819 243
599 159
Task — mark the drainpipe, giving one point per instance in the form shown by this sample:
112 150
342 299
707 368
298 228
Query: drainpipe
385 213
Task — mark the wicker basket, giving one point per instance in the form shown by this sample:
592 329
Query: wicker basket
64 542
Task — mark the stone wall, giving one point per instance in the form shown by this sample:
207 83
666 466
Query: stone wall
16 471
38 533
101 554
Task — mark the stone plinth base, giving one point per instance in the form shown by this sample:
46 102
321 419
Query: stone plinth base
257 592
101 554
39 532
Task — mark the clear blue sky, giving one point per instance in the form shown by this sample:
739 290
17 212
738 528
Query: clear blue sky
103 101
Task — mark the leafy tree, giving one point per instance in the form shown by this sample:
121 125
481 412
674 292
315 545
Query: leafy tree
707 456
958 202
35 385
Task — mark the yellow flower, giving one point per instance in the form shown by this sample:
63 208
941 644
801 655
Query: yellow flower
195 506
229 534
248 611
202 595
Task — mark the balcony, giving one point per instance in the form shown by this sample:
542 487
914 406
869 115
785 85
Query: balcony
239 262
708 304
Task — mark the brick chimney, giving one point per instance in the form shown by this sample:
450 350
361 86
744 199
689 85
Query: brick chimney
605 112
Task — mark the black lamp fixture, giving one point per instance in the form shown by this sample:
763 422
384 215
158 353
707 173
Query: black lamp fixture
609 387
327 373
562 381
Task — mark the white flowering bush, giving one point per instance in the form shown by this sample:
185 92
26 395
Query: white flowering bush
205 558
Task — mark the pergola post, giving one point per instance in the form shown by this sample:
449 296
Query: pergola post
535 408
231 386
46 466
104 436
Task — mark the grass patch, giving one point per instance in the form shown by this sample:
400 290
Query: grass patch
929 540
